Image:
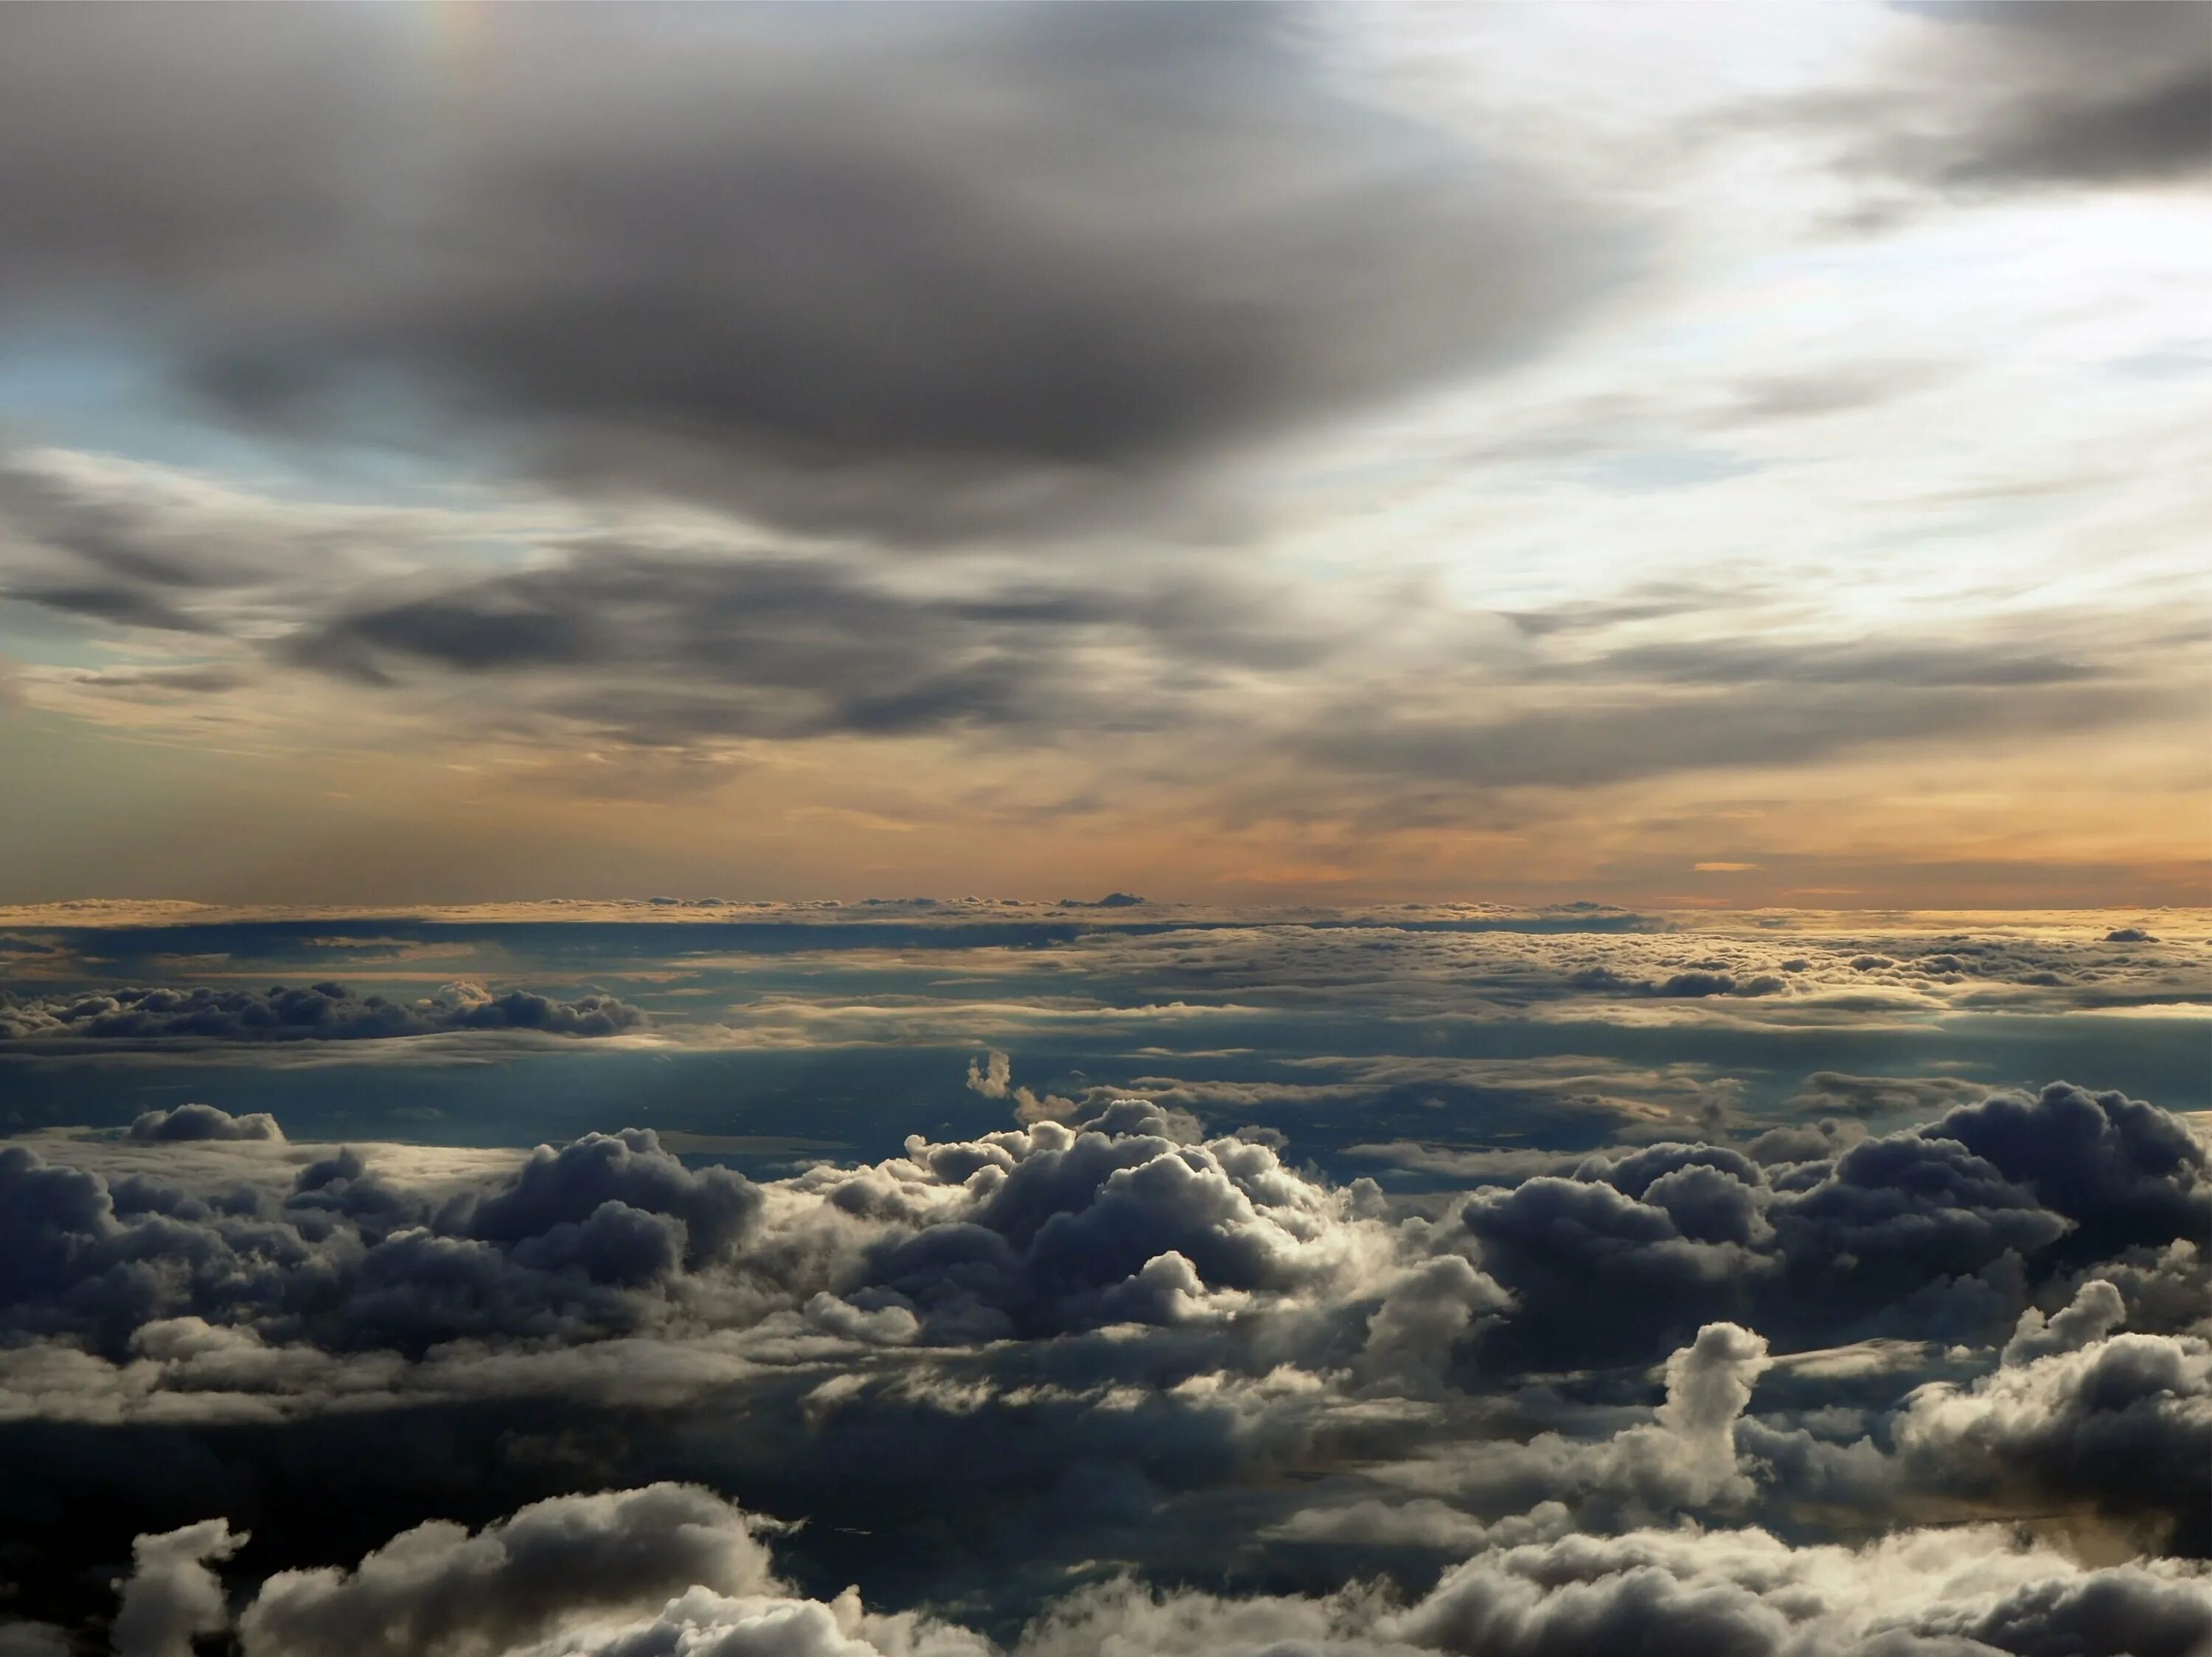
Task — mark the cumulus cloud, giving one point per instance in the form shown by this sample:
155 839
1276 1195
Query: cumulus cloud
173 1594
2095 1311
1934 1224
991 1075
2122 1425
1156 1317
202 1122
438 1591
1951 1592
601 1236
1053 1226
316 1012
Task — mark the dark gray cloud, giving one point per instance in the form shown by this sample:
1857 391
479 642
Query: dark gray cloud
792 648
681 650
990 1325
316 1012
1939 1230
596 1237
918 271
2122 1423
664 646
2123 1171
2080 94
129 606
1923 1594
1989 99
203 1121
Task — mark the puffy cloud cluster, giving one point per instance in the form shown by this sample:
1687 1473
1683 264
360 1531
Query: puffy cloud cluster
1941 1230
1925 1593
2118 1423
1128 1218
316 1012
1056 1226
601 1236
605 1576
1221 1249
437 1591
188 1122
1104 1335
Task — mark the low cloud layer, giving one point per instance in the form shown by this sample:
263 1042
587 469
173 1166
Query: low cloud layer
1105 1330
316 1012
559 1577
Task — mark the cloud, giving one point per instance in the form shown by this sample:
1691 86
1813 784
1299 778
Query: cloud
1744 1591
1099 1336
1591 741
1857 1096
1918 1593
319 1012
2123 1424
190 1122
1689 986
992 1075
437 1591
1683 1460
2123 1171
602 1234
19 1639
1985 101
1927 1224
2075 95
784 646
2096 1312
751 261
173 1594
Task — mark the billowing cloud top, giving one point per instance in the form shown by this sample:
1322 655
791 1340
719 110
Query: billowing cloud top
316 1012
1997 1313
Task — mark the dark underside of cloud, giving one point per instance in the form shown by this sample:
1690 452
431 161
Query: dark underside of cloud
981 272
2079 94
969 1367
316 1012
1991 100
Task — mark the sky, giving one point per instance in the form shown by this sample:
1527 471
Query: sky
1104 831
1653 454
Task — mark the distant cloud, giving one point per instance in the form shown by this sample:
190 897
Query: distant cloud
198 1122
319 1012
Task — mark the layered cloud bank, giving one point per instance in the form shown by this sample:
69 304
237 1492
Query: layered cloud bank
1715 1392
673 1569
318 1012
